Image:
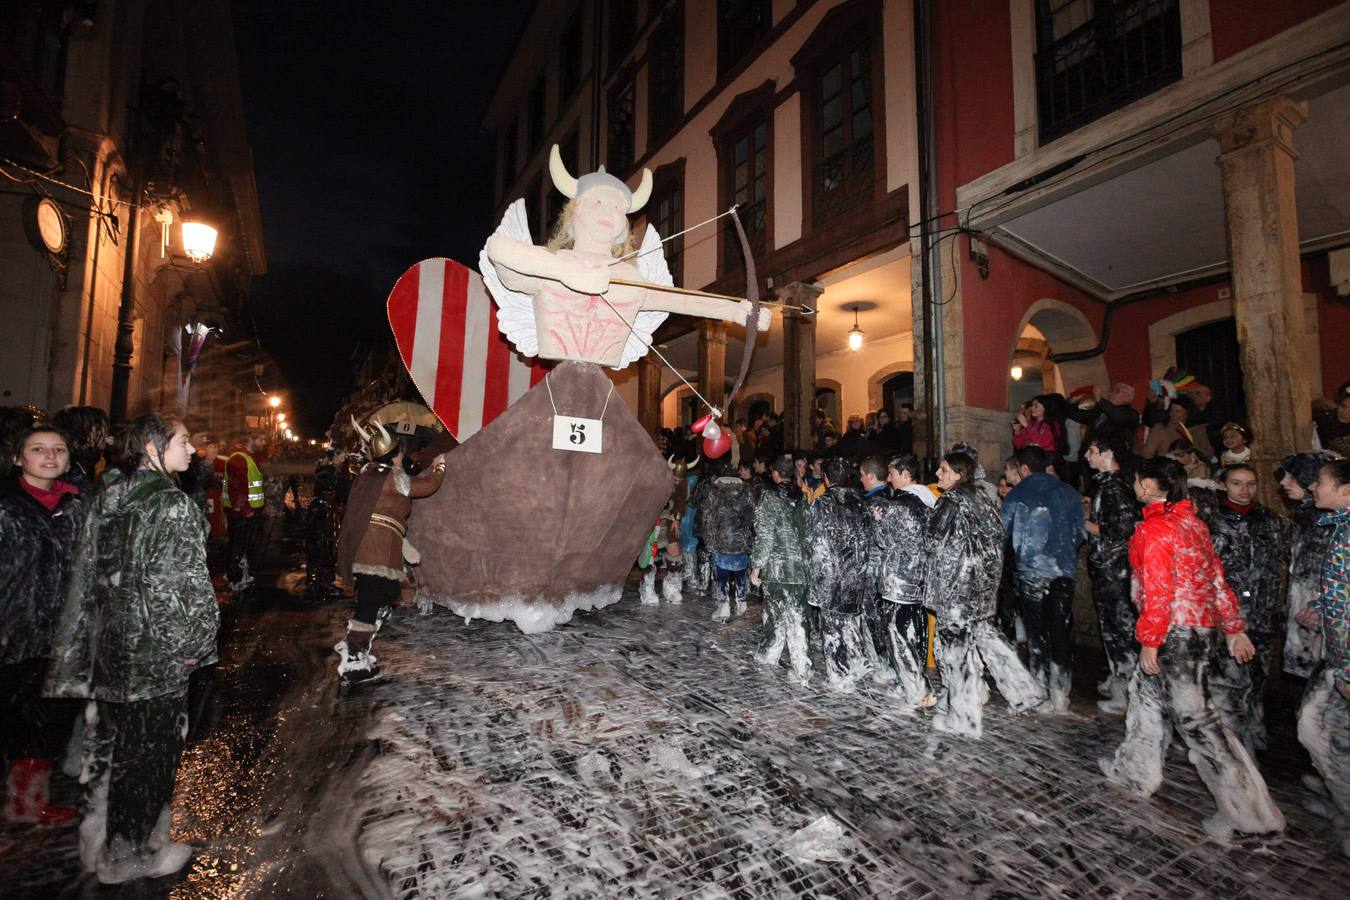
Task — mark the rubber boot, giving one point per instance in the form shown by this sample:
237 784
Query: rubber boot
357 664
672 586
26 797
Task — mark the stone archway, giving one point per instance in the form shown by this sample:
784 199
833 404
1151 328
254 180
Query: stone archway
875 391
1065 329
837 411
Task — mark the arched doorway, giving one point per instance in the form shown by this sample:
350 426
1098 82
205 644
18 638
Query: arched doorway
897 390
1050 327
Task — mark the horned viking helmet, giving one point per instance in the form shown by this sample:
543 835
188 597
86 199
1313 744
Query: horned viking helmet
572 188
381 444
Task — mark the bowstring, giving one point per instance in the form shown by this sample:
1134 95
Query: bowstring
641 252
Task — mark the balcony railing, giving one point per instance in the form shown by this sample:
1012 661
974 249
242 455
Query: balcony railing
843 181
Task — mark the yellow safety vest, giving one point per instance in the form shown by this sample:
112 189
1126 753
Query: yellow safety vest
256 499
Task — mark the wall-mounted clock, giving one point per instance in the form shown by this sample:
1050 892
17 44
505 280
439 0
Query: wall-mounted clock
51 227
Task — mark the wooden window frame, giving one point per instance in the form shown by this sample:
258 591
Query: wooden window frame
625 81
666 180
725 62
745 112
833 41
660 94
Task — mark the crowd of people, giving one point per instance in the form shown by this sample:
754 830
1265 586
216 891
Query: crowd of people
1201 593
108 608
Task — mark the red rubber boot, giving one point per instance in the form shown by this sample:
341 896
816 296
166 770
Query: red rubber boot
26 797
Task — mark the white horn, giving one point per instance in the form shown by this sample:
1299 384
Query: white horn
643 193
562 179
365 435
698 458
383 433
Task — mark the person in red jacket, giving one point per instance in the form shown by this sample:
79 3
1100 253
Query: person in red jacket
1185 609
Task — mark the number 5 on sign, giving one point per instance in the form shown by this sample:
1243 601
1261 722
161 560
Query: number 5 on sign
578 435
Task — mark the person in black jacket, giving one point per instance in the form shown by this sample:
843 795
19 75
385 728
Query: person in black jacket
1307 551
837 542
1110 415
1253 544
1113 514
39 520
727 519
899 551
778 565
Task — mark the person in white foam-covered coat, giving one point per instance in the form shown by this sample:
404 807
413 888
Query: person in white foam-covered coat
1186 610
960 586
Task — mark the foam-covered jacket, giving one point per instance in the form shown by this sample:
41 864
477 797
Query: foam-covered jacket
965 557
138 602
1254 549
1307 547
1116 512
1333 603
1043 518
779 551
1176 576
36 559
899 544
727 516
837 542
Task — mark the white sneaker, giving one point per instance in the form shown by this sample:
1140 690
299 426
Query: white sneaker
170 859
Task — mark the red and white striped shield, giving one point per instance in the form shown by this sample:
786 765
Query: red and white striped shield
445 326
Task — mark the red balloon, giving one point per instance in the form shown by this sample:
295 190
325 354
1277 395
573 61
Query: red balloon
697 427
719 447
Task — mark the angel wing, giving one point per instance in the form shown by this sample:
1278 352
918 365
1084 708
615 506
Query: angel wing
651 263
515 311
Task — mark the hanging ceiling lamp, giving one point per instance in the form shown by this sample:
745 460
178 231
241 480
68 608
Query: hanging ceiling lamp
855 334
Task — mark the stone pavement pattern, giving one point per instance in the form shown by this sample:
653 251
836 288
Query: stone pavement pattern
642 752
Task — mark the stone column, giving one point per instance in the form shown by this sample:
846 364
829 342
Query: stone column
799 365
712 361
649 394
1256 163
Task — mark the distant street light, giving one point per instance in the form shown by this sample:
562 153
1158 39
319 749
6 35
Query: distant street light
281 417
274 401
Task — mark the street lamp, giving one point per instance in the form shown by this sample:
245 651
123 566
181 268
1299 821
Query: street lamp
274 401
199 241
1016 373
281 417
855 334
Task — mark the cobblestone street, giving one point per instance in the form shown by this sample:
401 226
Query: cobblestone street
640 752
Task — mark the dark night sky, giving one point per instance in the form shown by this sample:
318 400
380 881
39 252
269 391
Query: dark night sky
369 156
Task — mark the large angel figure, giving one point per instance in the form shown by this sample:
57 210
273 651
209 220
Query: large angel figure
558 301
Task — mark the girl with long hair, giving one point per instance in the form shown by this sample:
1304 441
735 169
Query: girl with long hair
39 518
139 617
1186 611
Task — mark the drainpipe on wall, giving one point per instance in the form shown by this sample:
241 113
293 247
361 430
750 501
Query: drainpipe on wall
930 269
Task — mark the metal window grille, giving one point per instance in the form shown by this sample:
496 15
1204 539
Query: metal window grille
740 24
843 177
1095 56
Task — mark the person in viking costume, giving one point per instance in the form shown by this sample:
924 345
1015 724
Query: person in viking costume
662 550
372 547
